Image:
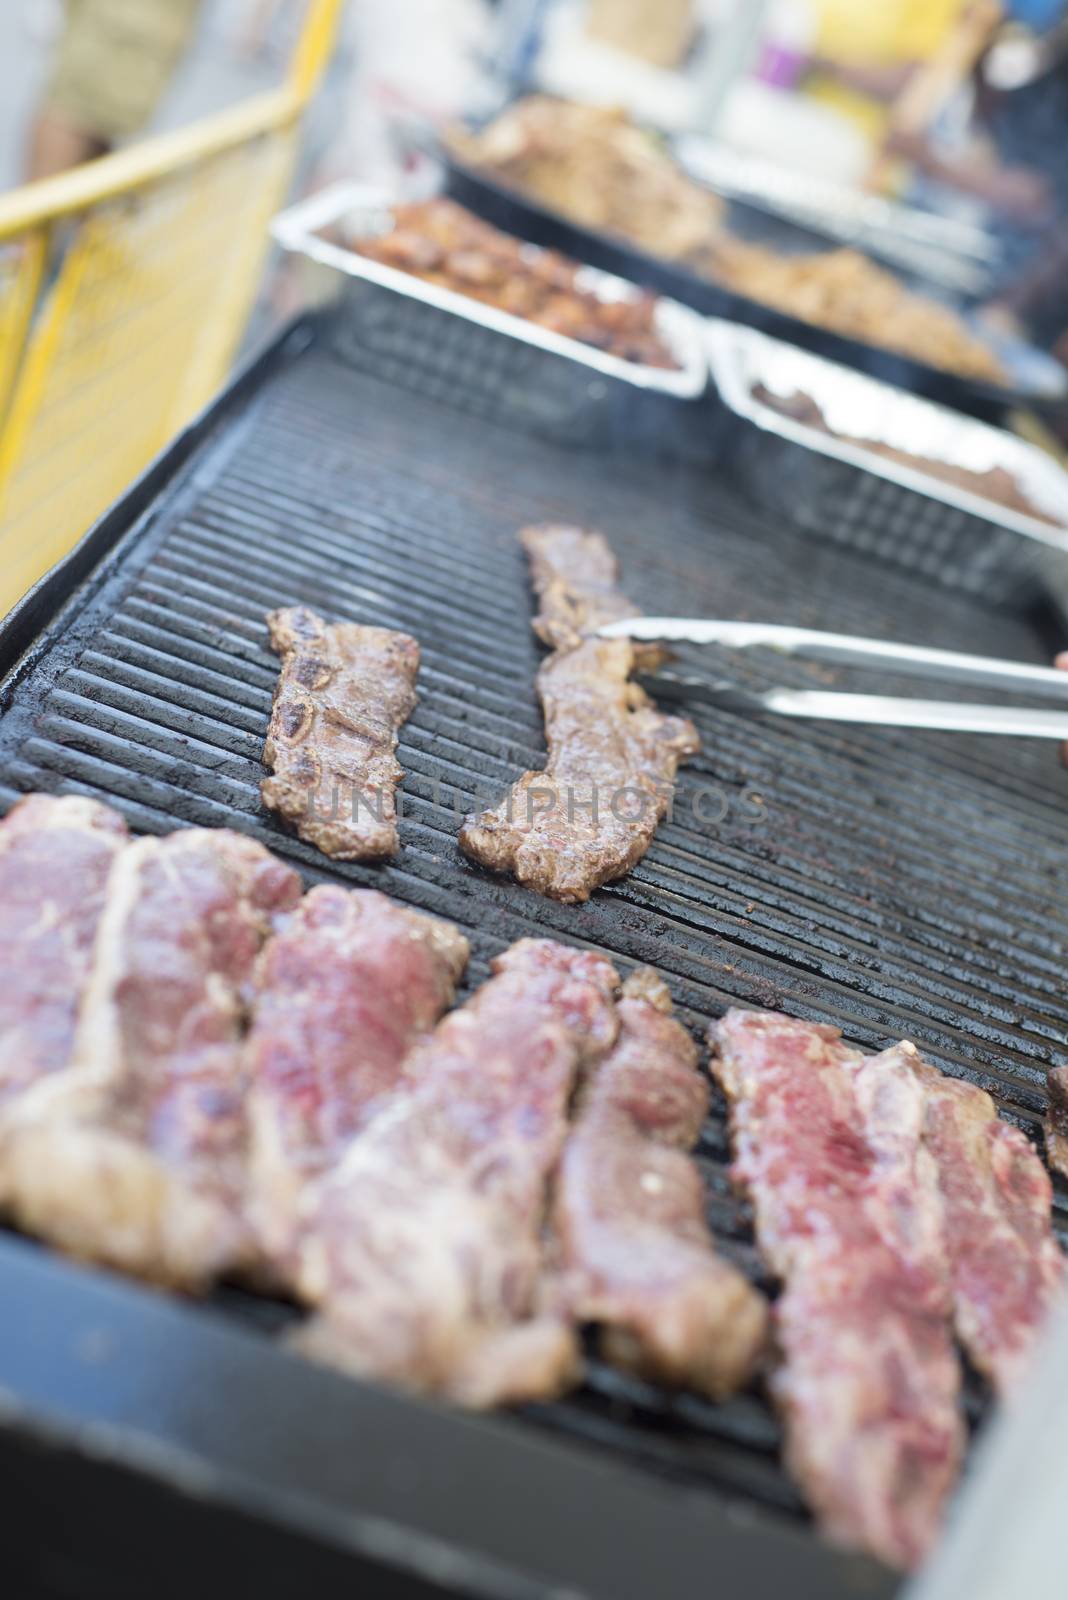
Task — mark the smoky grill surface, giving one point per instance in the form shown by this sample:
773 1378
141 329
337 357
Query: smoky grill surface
896 884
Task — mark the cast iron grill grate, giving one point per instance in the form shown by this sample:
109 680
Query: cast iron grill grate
895 884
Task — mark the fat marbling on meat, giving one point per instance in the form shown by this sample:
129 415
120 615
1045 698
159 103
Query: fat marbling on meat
343 692
341 993
56 855
829 1148
590 816
636 1256
423 1249
136 1155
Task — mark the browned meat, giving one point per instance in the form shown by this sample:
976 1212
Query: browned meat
135 1156
423 1249
591 815
55 857
829 1148
341 994
440 242
575 577
1006 1268
1057 1113
636 1254
343 692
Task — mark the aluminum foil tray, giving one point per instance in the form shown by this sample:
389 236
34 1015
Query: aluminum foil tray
462 350
838 489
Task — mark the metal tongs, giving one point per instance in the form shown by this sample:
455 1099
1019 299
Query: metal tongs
888 710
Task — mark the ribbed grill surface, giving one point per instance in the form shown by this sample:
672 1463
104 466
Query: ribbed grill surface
899 885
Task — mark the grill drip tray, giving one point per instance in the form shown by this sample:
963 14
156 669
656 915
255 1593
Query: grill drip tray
896 884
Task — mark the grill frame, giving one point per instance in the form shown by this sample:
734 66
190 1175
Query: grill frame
56 1386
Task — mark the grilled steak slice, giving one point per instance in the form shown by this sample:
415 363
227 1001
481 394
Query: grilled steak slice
343 692
608 781
55 857
423 1249
341 994
135 1156
829 1148
1057 1117
636 1254
575 577
1006 1268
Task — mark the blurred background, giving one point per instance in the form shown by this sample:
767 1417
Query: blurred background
146 144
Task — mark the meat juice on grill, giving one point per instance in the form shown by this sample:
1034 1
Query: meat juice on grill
609 778
343 692
56 855
136 1156
635 1253
828 1147
340 995
423 1250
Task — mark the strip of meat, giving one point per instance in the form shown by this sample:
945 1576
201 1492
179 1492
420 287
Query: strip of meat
135 1157
341 994
1006 1267
575 576
636 1254
1057 1116
591 815
423 1249
55 857
829 1148
343 692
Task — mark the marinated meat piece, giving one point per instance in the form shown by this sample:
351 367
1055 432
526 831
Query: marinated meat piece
635 1252
341 993
423 1249
595 166
609 777
343 692
443 244
575 576
829 1148
136 1155
55 857
1057 1115
1006 1268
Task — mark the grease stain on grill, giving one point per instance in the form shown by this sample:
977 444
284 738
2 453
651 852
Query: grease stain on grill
901 884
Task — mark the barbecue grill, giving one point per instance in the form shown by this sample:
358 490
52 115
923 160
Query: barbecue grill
897 884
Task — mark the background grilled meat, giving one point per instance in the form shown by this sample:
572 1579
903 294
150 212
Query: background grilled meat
135 1156
423 1249
635 1252
341 994
55 857
343 692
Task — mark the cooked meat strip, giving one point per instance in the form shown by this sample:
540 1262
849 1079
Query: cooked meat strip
636 1254
341 993
423 1249
1006 1267
575 576
1057 1119
608 781
55 857
829 1148
343 692
135 1156
440 242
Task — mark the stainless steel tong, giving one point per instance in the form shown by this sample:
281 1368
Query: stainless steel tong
947 666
